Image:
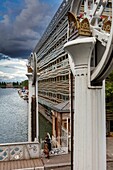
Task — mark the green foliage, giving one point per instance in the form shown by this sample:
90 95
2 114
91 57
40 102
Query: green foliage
24 83
2 84
15 84
109 93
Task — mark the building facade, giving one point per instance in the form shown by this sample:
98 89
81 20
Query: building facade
54 91
53 65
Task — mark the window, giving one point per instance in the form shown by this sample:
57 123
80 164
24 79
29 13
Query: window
111 126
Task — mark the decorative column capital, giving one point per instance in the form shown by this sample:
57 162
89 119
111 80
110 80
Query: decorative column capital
80 51
29 75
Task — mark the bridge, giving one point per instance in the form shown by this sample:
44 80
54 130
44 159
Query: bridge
20 155
64 79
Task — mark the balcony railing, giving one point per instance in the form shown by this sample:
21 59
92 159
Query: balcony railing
19 151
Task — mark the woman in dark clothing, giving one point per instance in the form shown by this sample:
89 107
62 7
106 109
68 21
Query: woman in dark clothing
46 150
48 140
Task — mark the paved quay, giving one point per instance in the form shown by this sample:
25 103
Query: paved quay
109 144
61 162
64 162
57 162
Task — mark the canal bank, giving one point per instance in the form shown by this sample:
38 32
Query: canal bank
14 118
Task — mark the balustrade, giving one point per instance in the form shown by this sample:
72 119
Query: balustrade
19 151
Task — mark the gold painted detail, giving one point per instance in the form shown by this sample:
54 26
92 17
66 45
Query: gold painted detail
73 23
29 69
78 27
84 28
107 26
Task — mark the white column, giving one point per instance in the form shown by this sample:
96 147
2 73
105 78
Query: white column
67 131
37 113
31 92
89 108
89 125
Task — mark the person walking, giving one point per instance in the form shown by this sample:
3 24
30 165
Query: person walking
46 150
47 144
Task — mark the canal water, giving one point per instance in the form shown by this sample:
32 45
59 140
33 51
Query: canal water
14 118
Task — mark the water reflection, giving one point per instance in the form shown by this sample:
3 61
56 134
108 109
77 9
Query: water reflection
13 117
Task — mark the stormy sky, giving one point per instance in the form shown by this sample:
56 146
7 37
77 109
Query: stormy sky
22 23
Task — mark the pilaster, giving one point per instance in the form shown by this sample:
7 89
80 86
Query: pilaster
89 110
31 93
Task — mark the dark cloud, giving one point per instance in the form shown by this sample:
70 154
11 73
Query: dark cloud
4 57
20 31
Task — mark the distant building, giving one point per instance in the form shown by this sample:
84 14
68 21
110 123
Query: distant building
9 85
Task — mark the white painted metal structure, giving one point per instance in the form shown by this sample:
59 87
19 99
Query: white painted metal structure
33 91
29 75
19 151
35 83
89 116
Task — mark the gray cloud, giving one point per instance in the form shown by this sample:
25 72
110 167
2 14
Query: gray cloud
20 32
13 69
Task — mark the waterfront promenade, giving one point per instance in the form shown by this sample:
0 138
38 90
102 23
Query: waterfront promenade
61 162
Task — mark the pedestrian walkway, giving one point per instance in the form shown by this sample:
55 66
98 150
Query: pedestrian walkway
61 162
32 164
57 162
109 143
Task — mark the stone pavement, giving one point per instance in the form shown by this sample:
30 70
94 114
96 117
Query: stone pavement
109 144
57 162
63 162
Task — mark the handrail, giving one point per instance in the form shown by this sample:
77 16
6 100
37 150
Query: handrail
19 151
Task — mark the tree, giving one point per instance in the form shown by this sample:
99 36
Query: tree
109 93
24 83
